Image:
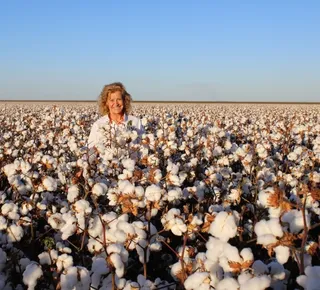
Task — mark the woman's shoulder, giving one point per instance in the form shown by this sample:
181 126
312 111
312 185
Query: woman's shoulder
101 120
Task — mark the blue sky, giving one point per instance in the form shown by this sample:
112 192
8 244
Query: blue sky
161 50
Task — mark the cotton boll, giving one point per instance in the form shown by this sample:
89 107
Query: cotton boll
64 261
117 263
56 221
155 247
128 164
9 169
139 191
49 183
244 277
197 280
30 276
82 206
282 254
94 246
215 248
73 193
126 227
311 279
174 194
23 263
14 233
153 193
10 210
223 226
256 283
259 268
232 253
175 270
172 168
173 179
228 284
75 278
277 271
47 259
295 220
247 254
69 227
126 187
275 227
99 268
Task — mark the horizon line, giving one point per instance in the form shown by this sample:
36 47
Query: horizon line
163 101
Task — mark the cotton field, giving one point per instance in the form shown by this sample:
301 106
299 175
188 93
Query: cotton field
210 196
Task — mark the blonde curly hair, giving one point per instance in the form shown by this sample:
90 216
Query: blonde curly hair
111 88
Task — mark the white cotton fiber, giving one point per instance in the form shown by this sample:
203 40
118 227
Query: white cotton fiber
195 280
282 254
224 226
228 284
31 274
256 283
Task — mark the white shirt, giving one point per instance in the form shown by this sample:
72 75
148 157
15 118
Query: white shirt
96 134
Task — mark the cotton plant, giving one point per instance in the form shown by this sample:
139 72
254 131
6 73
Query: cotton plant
194 175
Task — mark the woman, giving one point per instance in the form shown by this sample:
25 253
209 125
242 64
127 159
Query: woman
115 105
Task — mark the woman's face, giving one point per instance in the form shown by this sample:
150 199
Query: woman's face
115 103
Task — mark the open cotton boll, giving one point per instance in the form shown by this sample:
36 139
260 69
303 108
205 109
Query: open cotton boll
128 164
69 227
47 259
259 268
14 233
64 261
264 196
196 280
228 284
247 254
172 168
117 264
126 186
276 270
256 283
295 220
56 221
231 253
49 183
173 179
311 279
126 174
153 193
268 231
82 206
282 254
224 226
99 268
75 278
174 194
31 274
126 227
9 169
10 210
215 248
73 193
99 189
94 246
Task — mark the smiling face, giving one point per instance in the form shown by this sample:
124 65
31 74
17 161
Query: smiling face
115 103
